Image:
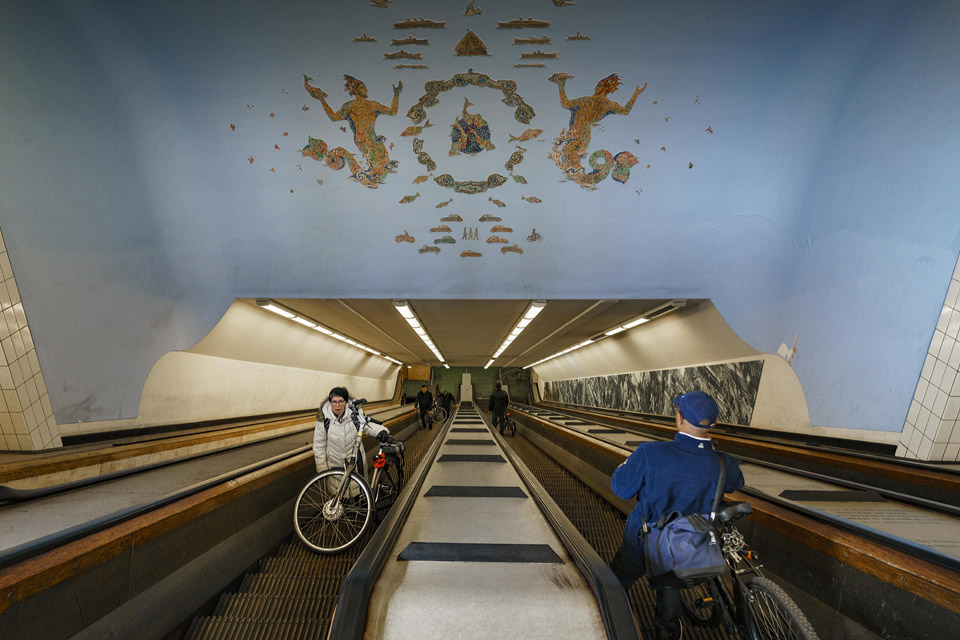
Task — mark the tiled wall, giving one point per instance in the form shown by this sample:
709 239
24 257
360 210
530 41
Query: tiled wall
26 417
932 429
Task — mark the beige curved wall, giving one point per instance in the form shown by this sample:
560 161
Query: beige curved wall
694 335
252 362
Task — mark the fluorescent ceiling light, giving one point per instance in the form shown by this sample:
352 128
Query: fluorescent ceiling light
532 311
614 332
631 325
405 310
279 309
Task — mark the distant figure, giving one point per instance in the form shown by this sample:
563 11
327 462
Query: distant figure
446 399
498 406
664 477
424 404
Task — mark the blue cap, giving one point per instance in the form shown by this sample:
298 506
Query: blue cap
698 408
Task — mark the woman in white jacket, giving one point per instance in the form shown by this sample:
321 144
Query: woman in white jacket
336 432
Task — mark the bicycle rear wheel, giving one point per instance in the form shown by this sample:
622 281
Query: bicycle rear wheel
326 525
771 613
389 483
701 604
439 415
510 428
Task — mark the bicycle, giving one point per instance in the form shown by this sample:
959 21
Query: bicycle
335 508
509 426
746 600
438 414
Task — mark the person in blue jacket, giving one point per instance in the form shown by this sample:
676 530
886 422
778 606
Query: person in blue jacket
664 477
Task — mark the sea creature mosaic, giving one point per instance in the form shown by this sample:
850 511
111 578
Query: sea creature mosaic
361 113
570 147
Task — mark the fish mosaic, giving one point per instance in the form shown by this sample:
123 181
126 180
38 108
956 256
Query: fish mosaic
409 199
496 202
531 199
529 134
413 130
443 204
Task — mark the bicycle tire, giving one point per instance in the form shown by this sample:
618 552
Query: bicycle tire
771 614
510 428
344 524
439 415
389 484
701 604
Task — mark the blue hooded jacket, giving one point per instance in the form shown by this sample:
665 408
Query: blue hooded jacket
670 476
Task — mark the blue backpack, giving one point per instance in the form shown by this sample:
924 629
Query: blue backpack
683 550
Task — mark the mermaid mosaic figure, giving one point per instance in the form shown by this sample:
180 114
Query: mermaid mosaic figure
361 113
570 147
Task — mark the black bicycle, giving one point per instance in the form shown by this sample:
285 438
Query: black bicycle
744 601
335 508
509 426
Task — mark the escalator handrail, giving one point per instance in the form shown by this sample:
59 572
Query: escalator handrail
35 547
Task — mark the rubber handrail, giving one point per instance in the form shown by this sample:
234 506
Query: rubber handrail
901 544
40 545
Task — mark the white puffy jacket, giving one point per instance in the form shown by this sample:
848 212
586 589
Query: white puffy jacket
331 443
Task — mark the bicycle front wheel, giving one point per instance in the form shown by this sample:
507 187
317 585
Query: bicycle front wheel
771 613
328 525
439 415
701 604
389 483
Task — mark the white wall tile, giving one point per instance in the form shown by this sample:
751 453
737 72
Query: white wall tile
929 362
937 409
952 410
936 376
953 326
14 291
922 418
951 452
943 431
47 408
921 391
930 431
915 439
937 450
944 318
924 451
913 412
953 290
930 397
35 363
22 317
16 372
27 339
949 379
906 434
945 348
935 342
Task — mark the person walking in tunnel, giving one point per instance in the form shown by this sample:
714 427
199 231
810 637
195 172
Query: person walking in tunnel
424 404
499 401
665 477
336 431
446 400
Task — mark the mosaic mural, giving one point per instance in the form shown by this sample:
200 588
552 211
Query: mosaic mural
477 132
734 386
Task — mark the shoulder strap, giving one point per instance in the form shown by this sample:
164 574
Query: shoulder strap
720 482
326 424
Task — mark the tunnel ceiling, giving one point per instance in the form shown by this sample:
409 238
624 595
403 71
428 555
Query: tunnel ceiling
468 332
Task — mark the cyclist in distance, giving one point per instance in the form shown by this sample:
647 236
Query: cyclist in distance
336 431
498 406
424 404
664 477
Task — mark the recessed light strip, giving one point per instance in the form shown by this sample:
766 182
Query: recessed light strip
404 309
663 309
532 311
275 307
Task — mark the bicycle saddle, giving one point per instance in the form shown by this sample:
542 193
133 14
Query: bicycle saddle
733 510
